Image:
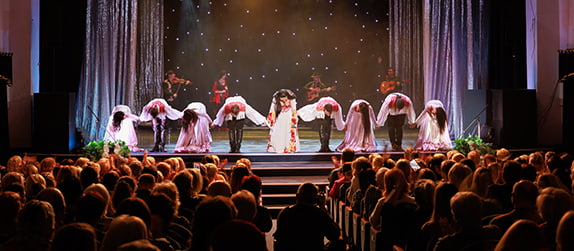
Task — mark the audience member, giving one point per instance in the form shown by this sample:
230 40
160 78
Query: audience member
262 218
564 232
210 214
470 234
552 204
524 194
501 193
524 235
123 229
75 236
304 226
34 228
238 235
373 193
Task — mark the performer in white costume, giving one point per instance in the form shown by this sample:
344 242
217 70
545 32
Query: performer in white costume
395 108
359 133
194 136
121 127
282 122
157 110
324 111
234 112
433 124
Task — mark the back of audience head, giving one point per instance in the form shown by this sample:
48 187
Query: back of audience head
396 186
565 231
138 245
553 203
445 167
308 194
468 162
236 177
427 173
110 179
466 210
481 180
238 235
522 235
36 221
246 162
443 193
423 192
549 180
14 164
253 184
524 194
169 189
162 213
347 155
122 191
88 176
10 205
34 184
460 175
75 236
146 181
405 167
220 188
123 229
91 207
183 180
210 213
135 206
53 196
380 177
102 191
245 204
511 171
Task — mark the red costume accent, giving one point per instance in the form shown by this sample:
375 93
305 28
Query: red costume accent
218 98
228 107
159 104
321 105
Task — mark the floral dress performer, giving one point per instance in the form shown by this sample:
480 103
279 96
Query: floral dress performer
359 128
194 136
324 111
121 127
433 124
234 112
158 110
282 122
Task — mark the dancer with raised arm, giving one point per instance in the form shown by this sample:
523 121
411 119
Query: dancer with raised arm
121 127
433 124
395 109
324 111
194 136
359 128
157 110
282 122
234 112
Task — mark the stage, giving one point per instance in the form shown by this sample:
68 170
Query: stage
255 139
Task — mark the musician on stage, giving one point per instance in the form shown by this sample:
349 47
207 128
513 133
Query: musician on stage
395 108
171 85
315 88
392 83
220 91
324 112
234 112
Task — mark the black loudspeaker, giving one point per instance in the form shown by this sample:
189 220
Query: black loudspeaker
514 118
54 126
5 81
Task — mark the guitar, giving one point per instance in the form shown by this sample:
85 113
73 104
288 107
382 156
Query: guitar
389 86
313 92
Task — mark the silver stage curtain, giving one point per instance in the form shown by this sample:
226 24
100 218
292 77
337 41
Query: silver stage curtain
406 46
442 47
116 57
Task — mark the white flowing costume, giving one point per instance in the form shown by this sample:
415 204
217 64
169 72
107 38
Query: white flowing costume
311 112
126 132
283 132
224 113
430 138
196 137
355 136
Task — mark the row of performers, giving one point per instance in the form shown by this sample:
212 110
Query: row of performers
282 120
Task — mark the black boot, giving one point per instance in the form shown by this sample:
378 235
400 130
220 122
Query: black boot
238 140
324 137
232 140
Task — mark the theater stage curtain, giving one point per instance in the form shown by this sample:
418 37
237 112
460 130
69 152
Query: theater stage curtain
442 47
123 60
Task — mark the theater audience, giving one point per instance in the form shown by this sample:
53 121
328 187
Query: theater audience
81 210
124 229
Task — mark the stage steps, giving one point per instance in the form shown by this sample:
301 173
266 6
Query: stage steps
282 179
